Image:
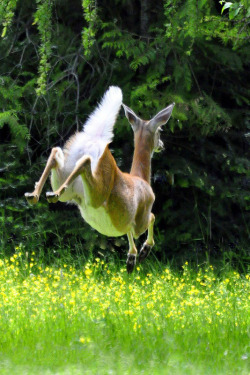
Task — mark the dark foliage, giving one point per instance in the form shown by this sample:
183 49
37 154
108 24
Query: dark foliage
56 62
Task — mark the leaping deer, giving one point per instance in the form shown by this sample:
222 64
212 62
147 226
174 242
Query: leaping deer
85 172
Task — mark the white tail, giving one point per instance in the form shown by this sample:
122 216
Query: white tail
85 172
101 122
97 131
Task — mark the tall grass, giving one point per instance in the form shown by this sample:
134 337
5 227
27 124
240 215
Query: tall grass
96 319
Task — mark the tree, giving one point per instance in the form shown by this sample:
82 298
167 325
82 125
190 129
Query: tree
57 60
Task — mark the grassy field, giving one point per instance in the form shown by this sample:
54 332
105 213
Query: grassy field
96 319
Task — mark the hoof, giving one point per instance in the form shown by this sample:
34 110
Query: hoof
52 197
31 198
131 261
144 252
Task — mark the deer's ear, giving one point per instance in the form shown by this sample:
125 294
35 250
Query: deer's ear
131 116
161 118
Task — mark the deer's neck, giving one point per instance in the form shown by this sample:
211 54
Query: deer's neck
141 165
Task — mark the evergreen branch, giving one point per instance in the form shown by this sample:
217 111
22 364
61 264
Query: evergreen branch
7 9
43 18
89 33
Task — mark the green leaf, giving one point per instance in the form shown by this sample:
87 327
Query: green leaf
233 13
226 6
4 32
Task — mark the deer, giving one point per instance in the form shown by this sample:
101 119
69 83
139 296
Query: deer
85 173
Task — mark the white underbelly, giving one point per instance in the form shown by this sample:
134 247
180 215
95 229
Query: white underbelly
98 219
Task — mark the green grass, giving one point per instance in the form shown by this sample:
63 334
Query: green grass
96 319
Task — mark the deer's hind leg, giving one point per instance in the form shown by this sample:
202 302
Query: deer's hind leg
149 243
56 159
97 185
81 164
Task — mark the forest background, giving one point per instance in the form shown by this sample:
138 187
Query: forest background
57 60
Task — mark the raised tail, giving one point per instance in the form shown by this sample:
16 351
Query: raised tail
100 123
97 131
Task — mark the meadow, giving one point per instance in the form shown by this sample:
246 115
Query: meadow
93 318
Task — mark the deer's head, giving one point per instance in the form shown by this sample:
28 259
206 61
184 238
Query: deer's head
148 132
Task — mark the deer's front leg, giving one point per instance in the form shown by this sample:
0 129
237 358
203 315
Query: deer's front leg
131 260
149 243
56 159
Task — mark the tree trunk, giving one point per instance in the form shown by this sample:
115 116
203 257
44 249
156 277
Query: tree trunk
144 17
